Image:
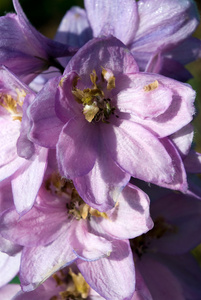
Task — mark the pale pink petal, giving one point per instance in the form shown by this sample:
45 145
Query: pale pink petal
112 277
179 180
9 133
144 158
27 181
180 111
8 291
44 222
39 263
130 217
9 267
183 139
135 99
86 245
9 169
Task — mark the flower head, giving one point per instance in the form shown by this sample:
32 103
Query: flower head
106 118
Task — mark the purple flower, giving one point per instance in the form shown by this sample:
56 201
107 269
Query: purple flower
158 33
64 229
108 122
27 169
24 50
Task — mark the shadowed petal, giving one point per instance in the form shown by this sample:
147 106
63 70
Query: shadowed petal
101 187
46 125
77 147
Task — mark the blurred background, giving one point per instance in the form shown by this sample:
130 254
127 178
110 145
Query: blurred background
46 15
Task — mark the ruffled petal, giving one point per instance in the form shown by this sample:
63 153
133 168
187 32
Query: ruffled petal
178 114
86 245
138 152
115 278
137 99
132 206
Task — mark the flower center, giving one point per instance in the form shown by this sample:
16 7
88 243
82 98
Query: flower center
13 106
96 105
76 207
141 244
76 286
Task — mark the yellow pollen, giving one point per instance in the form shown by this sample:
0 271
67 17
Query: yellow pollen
109 77
152 86
21 94
80 284
90 111
13 106
96 106
60 186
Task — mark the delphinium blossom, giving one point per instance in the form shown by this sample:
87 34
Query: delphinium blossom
163 254
26 166
158 33
61 229
24 50
108 121
68 153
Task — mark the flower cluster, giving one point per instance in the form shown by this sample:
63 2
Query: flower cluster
97 195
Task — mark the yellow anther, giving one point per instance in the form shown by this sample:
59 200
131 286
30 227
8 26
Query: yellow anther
90 111
152 86
80 284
